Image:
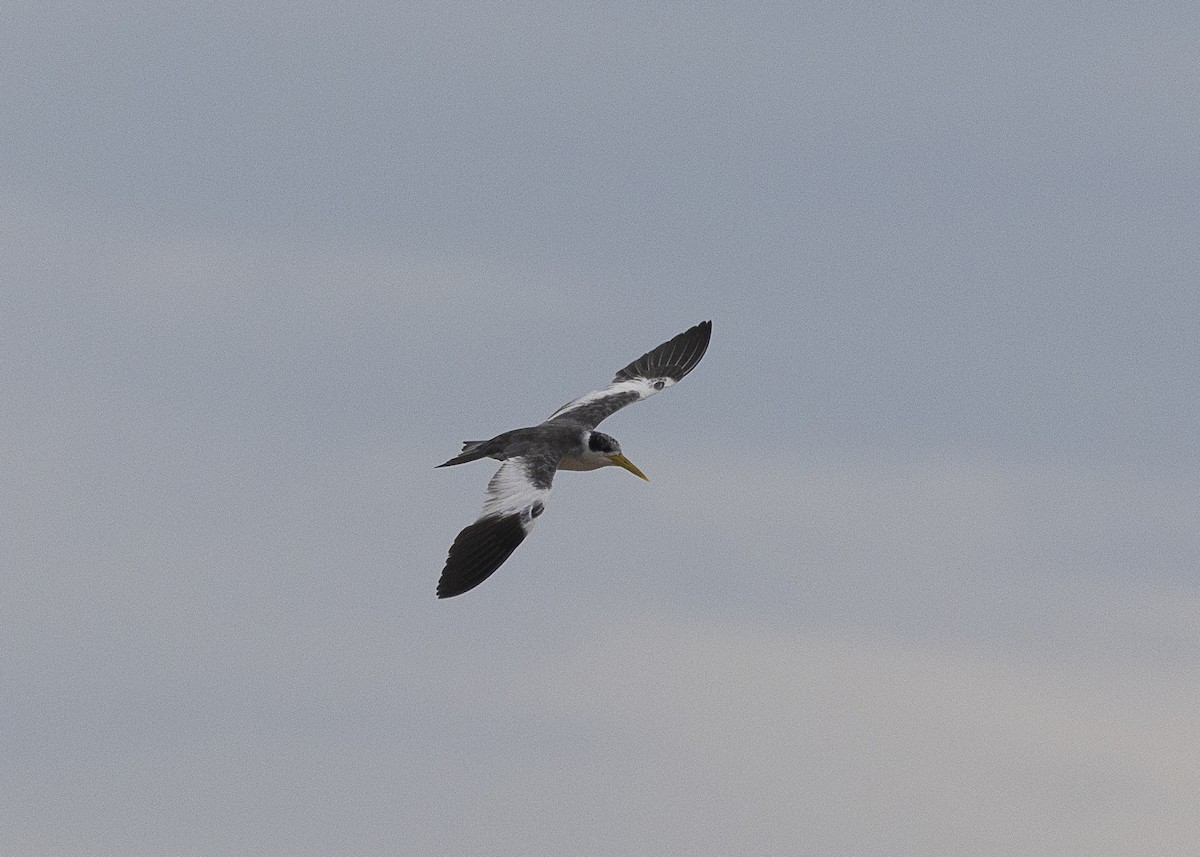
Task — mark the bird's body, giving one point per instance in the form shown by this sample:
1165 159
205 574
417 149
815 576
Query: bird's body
566 441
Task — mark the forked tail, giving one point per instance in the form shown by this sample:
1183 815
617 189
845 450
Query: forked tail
472 450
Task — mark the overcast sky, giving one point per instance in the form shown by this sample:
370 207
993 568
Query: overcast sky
915 572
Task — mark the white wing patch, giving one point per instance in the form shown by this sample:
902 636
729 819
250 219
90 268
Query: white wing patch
512 492
644 387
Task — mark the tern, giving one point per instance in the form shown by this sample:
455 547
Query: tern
567 440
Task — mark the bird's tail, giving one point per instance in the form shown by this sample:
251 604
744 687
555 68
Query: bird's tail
472 451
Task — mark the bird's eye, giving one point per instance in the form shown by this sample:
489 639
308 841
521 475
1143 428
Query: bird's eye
535 510
658 385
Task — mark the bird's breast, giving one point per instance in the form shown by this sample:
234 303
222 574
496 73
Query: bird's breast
581 462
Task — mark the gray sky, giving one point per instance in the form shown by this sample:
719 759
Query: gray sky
916 570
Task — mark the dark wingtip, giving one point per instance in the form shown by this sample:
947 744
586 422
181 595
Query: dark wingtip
479 550
674 359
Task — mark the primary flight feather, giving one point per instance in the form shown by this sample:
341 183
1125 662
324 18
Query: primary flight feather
567 440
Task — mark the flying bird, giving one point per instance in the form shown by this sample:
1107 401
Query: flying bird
567 440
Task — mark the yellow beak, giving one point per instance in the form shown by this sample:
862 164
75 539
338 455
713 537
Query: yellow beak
622 461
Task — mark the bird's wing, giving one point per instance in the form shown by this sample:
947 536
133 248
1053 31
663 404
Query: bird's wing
516 497
655 370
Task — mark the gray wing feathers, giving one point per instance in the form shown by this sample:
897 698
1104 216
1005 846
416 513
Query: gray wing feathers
591 413
653 371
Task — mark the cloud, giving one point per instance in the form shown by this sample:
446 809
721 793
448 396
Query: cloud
916 570
701 736
993 549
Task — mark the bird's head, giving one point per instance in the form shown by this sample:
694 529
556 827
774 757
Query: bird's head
601 444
